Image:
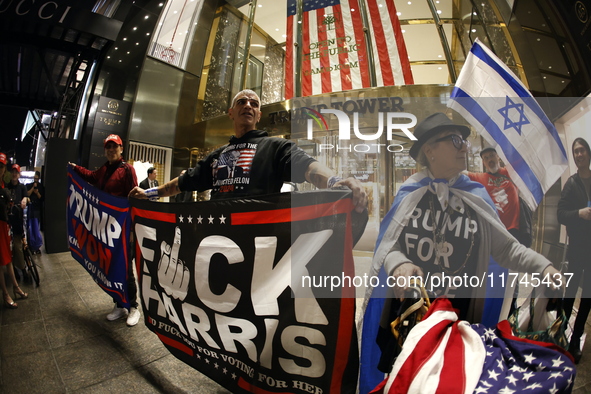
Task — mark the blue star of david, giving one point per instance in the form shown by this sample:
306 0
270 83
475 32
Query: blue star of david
509 123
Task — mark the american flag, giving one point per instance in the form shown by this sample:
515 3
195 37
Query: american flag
245 159
442 354
334 51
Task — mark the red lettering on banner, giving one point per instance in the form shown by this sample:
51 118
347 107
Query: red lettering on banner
94 250
105 259
81 234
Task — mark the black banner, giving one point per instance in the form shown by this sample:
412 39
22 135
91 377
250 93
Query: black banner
222 286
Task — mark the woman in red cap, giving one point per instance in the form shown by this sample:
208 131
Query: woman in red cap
5 253
117 178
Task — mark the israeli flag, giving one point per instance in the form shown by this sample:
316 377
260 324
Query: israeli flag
495 102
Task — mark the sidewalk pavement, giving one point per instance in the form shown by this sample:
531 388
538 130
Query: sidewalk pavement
59 341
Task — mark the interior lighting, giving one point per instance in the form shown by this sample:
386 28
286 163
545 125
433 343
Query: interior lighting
135 28
146 17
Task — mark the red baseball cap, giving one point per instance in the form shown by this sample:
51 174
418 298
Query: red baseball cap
115 138
3 158
16 167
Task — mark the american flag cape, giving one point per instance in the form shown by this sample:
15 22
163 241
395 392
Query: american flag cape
334 53
499 106
444 355
222 286
98 235
405 201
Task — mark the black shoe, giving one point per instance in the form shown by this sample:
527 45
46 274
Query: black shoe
574 348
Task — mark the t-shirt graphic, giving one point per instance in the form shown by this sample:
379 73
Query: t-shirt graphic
442 244
232 170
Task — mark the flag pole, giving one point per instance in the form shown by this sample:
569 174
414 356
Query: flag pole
246 53
366 31
298 48
444 43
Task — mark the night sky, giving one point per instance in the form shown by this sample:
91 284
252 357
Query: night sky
13 120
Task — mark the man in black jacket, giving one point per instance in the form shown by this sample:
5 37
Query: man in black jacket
574 211
151 180
265 162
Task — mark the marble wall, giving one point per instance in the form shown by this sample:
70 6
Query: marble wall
221 69
273 75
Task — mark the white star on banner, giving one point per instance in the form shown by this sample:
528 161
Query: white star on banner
506 390
190 219
500 365
234 376
554 375
225 371
530 358
199 219
216 365
207 361
481 390
554 390
198 356
512 379
210 218
556 362
181 218
527 375
493 375
223 219
533 386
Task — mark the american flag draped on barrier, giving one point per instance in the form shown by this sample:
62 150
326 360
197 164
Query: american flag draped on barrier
334 53
444 355
221 286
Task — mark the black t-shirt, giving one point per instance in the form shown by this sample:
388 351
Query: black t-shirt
36 201
456 234
254 164
17 192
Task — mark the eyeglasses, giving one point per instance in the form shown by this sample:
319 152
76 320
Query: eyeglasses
456 140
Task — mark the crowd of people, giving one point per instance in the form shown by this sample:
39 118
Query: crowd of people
415 237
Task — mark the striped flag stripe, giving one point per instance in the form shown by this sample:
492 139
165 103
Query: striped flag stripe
335 55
